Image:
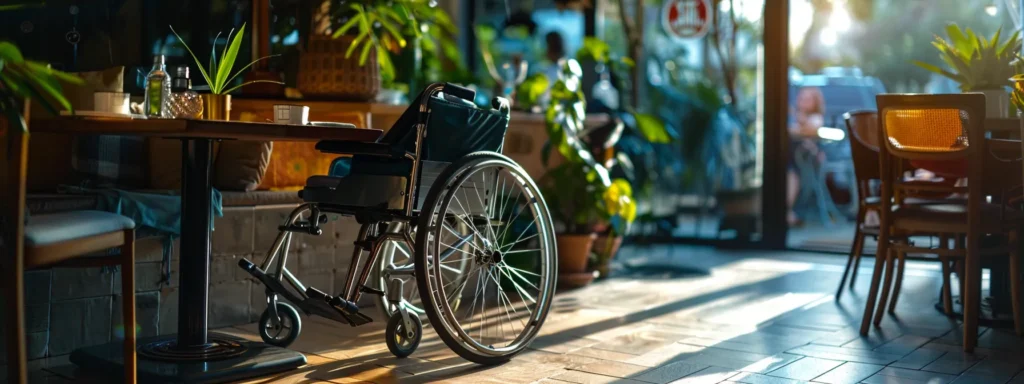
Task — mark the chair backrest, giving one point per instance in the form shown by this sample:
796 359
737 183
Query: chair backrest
863 129
933 127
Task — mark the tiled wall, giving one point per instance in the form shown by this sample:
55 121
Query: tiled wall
68 308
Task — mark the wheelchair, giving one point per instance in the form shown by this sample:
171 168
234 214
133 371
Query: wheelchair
451 229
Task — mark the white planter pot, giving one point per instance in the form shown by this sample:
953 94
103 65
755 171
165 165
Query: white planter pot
997 103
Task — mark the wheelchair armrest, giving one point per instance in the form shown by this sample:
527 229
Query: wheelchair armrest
359 148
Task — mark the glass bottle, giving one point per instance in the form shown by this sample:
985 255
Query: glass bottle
158 89
184 102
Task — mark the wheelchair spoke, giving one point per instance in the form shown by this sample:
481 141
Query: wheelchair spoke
519 289
490 229
513 244
466 240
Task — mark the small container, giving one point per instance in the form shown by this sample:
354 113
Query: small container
184 102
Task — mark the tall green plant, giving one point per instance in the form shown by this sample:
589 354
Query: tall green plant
22 79
579 190
976 63
219 75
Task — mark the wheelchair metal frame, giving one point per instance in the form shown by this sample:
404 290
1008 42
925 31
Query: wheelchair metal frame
342 307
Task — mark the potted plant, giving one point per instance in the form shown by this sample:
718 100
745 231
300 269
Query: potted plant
579 190
217 103
22 79
978 65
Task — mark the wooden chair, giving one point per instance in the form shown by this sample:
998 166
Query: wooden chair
941 128
52 240
864 147
863 130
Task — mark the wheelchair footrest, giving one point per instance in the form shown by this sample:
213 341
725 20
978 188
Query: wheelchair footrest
347 310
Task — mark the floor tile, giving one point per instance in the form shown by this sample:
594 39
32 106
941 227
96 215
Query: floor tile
670 372
613 368
845 354
999 368
903 345
978 379
806 369
952 364
666 354
918 359
756 378
916 376
849 373
769 348
709 375
579 377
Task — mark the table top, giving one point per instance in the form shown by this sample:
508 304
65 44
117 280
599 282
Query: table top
203 129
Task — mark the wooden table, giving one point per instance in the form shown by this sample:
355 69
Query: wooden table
193 354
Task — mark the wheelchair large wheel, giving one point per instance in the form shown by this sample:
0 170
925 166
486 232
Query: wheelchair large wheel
488 202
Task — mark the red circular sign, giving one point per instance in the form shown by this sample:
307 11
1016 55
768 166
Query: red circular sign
686 19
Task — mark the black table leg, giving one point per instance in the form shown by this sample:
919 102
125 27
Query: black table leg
194 271
193 355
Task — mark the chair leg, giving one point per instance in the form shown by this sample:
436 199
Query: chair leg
17 370
972 295
1015 296
876 277
890 270
856 261
128 302
902 260
855 248
947 291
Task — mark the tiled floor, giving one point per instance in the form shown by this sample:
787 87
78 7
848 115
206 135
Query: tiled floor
753 317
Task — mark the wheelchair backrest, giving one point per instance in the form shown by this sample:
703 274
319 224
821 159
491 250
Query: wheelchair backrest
455 127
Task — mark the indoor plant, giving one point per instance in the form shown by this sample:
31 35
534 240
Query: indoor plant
22 79
217 103
978 64
369 36
579 190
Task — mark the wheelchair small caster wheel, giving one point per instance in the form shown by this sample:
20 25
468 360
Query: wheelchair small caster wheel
283 331
402 342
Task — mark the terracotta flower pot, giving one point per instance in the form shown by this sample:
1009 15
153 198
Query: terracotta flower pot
606 247
573 254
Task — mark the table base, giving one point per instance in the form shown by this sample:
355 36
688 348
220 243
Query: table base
255 360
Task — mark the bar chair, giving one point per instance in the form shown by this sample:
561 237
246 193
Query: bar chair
941 128
50 240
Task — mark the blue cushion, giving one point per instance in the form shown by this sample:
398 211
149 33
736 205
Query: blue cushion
54 228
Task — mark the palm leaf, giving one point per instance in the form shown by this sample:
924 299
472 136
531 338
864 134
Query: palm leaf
345 27
366 52
355 44
228 60
391 29
957 37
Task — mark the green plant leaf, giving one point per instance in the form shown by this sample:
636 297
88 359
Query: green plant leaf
345 27
365 53
391 29
232 89
63 76
10 52
213 54
228 60
239 72
198 63
355 44
387 68
652 128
